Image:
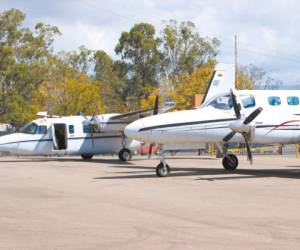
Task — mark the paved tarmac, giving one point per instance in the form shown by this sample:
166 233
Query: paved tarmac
65 203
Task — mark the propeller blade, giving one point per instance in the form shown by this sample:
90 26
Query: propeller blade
249 154
92 135
150 150
84 116
252 116
229 136
155 109
235 105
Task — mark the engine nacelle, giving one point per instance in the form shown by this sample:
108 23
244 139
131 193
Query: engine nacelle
240 127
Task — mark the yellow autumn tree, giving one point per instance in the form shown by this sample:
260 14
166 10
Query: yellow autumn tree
69 97
148 99
190 84
248 76
182 91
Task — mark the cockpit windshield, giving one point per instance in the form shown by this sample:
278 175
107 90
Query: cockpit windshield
222 102
29 128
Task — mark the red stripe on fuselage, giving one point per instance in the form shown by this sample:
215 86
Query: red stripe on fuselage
284 123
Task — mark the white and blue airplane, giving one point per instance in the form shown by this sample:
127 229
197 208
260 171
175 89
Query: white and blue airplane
77 135
243 116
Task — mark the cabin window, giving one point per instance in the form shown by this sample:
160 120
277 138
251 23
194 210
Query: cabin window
293 100
222 102
86 128
42 130
248 101
274 100
29 128
71 129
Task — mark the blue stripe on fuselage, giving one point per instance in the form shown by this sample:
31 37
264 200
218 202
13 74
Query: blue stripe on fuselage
71 138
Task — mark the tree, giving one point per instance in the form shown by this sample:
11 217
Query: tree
184 50
113 78
81 62
253 77
25 62
139 50
190 84
70 97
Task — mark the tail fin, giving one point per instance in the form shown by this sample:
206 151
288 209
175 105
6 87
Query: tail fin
222 80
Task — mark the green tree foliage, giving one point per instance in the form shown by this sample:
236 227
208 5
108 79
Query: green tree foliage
112 78
184 50
25 60
80 62
139 50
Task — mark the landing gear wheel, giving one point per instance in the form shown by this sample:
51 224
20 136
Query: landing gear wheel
125 155
162 171
87 157
230 162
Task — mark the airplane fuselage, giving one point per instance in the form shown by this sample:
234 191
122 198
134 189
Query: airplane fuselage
278 122
66 135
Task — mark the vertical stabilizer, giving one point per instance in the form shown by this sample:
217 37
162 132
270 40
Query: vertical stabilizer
222 80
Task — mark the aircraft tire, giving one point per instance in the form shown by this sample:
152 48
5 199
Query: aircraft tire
87 157
161 171
230 162
125 155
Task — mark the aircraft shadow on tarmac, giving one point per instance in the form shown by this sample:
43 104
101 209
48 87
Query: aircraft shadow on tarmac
53 159
219 174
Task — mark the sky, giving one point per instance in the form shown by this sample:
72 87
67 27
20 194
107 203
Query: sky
267 31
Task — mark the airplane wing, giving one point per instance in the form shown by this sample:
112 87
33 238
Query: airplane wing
132 116
135 114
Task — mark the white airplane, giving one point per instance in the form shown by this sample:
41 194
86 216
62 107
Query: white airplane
77 135
248 116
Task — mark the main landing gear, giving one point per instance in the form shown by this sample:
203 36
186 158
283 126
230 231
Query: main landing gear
162 170
125 155
230 162
87 157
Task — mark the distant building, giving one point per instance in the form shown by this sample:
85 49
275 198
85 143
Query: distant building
197 100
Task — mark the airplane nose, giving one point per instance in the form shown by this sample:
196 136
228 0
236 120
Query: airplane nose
132 130
7 144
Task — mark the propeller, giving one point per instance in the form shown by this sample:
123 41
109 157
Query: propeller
155 109
92 130
242 125
155 112
92 125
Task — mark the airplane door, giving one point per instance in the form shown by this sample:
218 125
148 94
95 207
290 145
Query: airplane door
59 136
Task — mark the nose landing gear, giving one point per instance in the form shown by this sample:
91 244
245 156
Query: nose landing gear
162 169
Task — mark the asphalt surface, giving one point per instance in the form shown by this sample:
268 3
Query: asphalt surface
65 203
